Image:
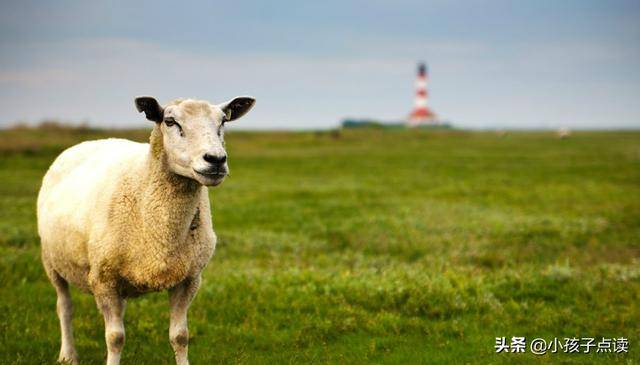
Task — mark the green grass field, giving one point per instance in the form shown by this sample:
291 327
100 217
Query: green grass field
368 247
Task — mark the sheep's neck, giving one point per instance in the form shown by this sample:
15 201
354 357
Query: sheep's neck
169 204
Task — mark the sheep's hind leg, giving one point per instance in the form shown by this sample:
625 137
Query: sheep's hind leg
112 307
180 298
64 309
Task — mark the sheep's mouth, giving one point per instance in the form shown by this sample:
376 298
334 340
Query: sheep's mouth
216 174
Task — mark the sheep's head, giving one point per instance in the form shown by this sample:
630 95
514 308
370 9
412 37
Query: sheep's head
193 134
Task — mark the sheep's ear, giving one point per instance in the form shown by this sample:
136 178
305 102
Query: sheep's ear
239 106
152 110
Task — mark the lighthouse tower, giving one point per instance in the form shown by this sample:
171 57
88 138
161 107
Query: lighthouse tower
421 113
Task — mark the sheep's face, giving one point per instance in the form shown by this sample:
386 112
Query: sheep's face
193 135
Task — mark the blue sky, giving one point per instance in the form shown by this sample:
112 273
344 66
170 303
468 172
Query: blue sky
493 64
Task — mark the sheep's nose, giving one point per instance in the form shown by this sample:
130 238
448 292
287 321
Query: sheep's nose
215 159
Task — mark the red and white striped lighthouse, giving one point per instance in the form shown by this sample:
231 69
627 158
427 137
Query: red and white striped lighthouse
421 112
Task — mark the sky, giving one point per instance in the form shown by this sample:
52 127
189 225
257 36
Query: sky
493 64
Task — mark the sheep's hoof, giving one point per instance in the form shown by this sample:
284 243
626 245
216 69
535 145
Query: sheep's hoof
68 359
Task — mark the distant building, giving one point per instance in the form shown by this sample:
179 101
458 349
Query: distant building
369 123
420 117
421 113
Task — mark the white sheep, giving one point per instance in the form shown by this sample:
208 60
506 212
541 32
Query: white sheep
118 218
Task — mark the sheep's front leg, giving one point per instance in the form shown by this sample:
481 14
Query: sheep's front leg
112 307
180 298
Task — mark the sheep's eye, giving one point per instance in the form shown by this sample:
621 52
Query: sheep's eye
170 122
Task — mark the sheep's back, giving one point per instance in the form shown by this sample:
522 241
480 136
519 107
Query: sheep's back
76 189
